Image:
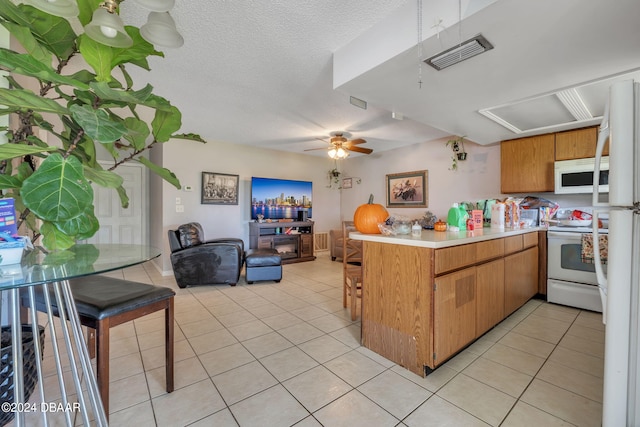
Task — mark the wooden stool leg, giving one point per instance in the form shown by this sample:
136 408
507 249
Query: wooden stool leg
168 328
354 297
102 361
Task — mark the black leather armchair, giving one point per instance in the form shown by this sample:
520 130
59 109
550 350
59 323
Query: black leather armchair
196 261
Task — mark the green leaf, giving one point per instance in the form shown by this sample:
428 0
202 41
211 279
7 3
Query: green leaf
81 227
103 178
9 181
97 123
28 42
24 171
165 123
54 239
158 103
124 199
11 151
11 13
106 93
58 190
52 31
86 8
27 100
189 136
98 56
138 132
136 54
164 173
28 66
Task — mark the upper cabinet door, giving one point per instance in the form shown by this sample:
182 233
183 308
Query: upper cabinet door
576 144
527 164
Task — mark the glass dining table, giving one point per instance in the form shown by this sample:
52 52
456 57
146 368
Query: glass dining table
78 401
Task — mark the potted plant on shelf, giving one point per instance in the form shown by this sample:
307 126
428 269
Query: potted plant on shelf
79 109
457 146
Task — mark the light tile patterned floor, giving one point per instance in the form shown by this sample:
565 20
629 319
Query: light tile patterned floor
287 354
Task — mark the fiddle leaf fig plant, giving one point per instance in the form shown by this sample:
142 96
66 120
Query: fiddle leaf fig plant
79 94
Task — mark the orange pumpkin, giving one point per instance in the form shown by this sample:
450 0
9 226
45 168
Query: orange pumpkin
367 217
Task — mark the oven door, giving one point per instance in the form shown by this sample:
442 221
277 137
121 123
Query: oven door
565 259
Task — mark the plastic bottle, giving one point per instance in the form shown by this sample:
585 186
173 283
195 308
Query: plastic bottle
464 216
416 229
453 217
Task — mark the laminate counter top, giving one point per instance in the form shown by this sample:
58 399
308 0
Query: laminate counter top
444 239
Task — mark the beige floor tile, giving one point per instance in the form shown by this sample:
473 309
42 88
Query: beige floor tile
300 332
579 382
437 412
123 347
590 319
140 415
354 367
125 366
578 360
309 313
527 344
349 335
155 357
461 360
221 418
354 410
212 341
585 332
375 357
316 387
288 363
200 327
272 407
281 320
498 376
329 323
563 404
433 381
236 318
127 392
480 400
582 345
188 404
516 359
185 373
265 345
524 415
324 348
394 393
225 359
126 330
557 312
265 310
196 314
242 382
542 328
157 338
249 330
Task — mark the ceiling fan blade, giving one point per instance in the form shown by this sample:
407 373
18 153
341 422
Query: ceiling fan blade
357 141
314 149
361 150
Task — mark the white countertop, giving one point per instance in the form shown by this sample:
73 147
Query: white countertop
443 239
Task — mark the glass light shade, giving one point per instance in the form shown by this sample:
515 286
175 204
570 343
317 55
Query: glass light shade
160 30
107 28
157 5
341 153
63 8
332 153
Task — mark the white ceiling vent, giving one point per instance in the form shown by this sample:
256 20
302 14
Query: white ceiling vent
464 50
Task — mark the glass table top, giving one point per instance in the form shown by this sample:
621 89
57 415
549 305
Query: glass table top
39 266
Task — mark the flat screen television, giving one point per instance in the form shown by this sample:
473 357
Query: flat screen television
280 198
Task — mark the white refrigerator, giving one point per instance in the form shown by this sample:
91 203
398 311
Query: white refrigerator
620 287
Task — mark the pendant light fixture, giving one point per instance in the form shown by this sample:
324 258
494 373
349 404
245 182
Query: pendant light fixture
106 26
62 8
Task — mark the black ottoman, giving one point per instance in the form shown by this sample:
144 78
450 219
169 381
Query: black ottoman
263 264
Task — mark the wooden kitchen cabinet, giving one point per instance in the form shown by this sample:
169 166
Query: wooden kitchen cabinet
520 278
454 309
489 295
526 164
578 144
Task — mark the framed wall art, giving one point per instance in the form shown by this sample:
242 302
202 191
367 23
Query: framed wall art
347 182
408 190
219 189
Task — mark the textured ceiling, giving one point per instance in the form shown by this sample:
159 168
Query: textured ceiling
261 73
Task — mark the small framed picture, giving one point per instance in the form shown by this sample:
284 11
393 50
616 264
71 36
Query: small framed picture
347 182
219 189
408 190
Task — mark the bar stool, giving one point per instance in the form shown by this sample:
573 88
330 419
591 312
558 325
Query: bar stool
105 302
351 268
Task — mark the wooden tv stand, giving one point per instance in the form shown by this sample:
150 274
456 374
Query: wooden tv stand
293 240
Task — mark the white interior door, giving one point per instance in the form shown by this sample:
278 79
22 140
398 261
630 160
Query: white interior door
119 225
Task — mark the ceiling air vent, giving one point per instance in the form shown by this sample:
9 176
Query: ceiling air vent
464 50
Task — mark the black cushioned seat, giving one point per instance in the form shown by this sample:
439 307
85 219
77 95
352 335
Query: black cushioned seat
263 264
104 302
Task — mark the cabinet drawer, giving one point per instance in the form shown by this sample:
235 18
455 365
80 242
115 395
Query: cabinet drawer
489 249
512 244
265 242
530 239
447 259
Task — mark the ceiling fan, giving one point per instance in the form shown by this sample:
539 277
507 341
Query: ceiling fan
340 145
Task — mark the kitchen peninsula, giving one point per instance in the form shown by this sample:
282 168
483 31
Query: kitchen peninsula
426 298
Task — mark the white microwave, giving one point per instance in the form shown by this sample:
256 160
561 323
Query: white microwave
576 176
